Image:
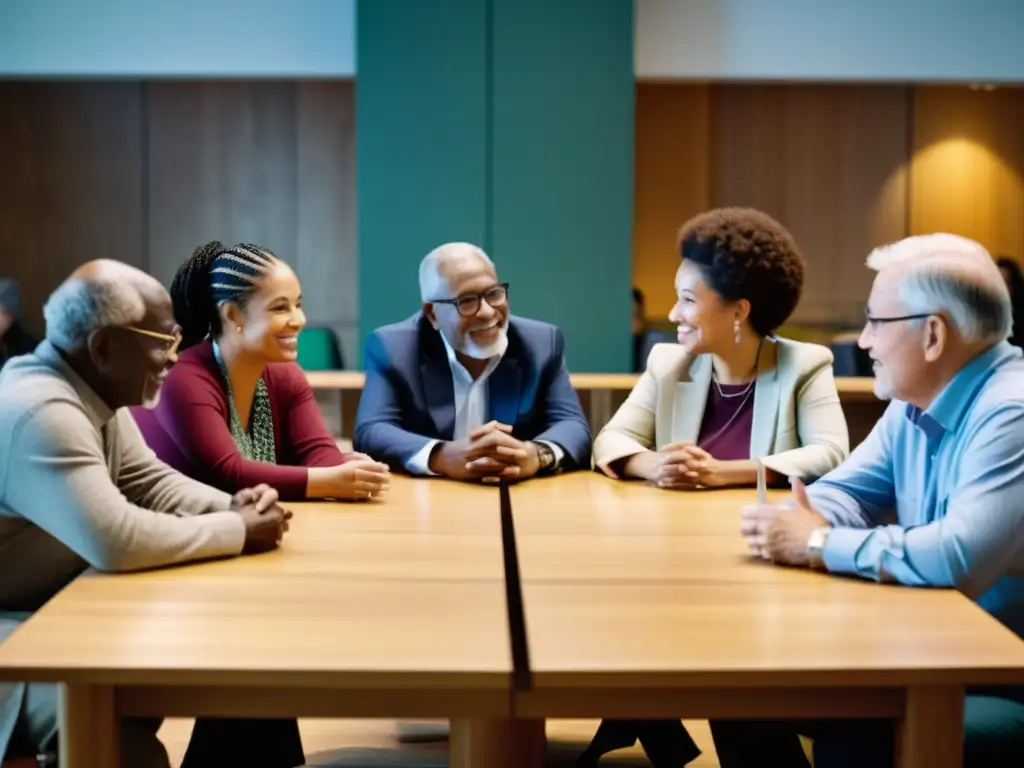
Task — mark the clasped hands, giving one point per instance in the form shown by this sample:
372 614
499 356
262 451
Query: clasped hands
265 520
488 454
685 466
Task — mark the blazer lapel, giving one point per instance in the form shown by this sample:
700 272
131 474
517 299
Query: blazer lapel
766 402
504 388
690 396
439 392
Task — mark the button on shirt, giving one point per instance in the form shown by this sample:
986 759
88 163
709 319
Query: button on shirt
954 475
472 407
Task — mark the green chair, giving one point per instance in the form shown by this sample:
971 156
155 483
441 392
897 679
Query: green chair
319 350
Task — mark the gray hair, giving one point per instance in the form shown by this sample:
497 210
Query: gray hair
432 281
80 307
954 275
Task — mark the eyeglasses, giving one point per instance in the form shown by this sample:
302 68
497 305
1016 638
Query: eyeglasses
172 342
874 322
469 305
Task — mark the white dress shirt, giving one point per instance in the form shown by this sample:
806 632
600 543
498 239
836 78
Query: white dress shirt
472 407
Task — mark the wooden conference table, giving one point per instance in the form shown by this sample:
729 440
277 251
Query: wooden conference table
615 600
602 393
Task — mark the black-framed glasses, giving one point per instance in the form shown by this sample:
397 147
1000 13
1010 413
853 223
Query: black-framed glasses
469 304
171 341
873 322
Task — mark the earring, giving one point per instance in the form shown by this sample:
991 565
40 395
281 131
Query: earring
238 329
736 328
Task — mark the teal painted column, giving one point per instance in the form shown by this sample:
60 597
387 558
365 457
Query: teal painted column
421 143
508 123
562 95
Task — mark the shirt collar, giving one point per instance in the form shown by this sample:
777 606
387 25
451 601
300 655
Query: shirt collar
460 370
99 412
950 407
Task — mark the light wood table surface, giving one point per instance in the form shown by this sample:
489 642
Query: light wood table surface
393 608
644 603
601 392
637 602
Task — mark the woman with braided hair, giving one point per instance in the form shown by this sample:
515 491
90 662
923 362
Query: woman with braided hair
236 411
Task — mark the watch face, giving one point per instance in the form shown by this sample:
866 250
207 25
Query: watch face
545 455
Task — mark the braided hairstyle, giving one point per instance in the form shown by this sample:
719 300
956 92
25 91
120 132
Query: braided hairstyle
215 273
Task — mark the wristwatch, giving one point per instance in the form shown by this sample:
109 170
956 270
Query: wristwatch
816 547
545 456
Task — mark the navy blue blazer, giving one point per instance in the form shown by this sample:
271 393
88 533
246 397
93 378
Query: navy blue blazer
409 398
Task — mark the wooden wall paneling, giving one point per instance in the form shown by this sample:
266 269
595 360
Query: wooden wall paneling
828 162
748 142
673 181
967 173
222 167
873 186
325 254
71 164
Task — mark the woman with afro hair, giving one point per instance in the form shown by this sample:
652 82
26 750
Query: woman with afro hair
730 394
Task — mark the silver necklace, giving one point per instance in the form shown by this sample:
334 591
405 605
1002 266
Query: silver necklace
735 415
743 392
746 390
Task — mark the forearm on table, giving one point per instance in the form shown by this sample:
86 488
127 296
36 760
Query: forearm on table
743 472
642 465
321 482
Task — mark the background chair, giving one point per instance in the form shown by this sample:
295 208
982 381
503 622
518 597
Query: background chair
850 359
320 350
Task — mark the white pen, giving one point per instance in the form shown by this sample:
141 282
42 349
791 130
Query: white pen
762 489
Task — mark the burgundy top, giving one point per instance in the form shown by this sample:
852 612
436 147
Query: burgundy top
189 427
725 429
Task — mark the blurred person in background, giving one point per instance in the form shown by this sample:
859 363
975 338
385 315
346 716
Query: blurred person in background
14 339
1014 279
639 328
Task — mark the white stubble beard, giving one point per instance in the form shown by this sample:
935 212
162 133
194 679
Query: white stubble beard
471 349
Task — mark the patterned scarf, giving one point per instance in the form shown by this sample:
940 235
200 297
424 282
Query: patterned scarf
258 443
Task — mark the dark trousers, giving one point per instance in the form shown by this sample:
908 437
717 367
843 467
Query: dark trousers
249 742
666 743
993 738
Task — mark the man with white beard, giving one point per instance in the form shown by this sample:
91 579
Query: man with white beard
464 390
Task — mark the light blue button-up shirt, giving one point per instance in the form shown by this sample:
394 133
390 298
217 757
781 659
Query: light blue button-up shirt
954 476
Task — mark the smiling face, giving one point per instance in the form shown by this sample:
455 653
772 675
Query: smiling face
271 318
133 362
481 333
705 322
896 347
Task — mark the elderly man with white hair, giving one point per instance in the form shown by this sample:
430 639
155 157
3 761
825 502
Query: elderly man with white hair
79 488
465 390
946 460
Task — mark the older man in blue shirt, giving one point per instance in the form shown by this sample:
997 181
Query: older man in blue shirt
947 458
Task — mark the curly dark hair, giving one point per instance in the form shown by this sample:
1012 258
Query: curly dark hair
744 253
215 273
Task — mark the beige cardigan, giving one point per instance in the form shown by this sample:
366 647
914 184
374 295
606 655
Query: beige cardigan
799 428
79 487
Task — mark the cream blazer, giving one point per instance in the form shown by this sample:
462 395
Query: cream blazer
799 429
